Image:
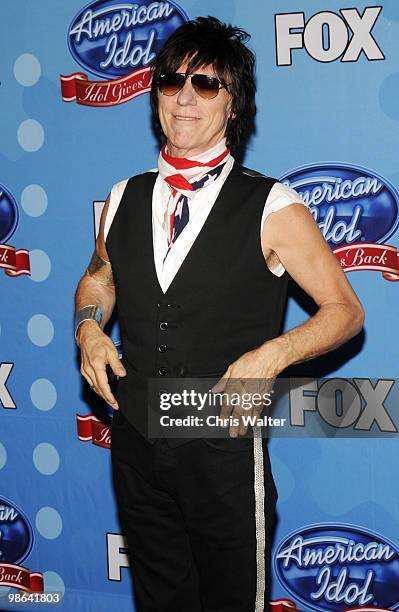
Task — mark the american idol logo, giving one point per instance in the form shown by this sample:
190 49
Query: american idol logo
333 567
16 538
356 210
119 41
14 261
110 38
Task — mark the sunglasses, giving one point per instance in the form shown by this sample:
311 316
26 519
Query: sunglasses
205 86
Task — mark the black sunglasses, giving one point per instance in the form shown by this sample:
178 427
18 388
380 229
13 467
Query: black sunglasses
206 86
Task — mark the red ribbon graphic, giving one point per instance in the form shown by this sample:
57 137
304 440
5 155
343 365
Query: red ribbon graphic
286 605
369 256
15 262
283 605
90 428
21 578
77 87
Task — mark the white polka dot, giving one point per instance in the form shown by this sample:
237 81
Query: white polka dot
43 394
48 523
3 456
53 582
46 459
27 69
34 200
40 330
40 265
30 135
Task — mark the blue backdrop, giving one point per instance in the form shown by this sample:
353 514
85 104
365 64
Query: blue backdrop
327 124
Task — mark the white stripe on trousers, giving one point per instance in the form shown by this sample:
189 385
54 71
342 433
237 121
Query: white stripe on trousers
259 489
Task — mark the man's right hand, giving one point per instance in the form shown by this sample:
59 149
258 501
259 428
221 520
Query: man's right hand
97 351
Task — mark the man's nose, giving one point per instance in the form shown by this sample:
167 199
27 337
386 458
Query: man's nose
187 94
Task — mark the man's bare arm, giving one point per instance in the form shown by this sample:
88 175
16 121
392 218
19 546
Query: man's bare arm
97 350
296 239
95 287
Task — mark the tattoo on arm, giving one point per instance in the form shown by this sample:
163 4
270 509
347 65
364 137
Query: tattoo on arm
100 270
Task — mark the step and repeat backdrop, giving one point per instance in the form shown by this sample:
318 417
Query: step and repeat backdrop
75 120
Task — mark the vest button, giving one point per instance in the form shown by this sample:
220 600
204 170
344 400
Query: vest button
162 348
163 325
163 371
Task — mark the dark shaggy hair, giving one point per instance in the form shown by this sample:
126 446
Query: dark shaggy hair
206 41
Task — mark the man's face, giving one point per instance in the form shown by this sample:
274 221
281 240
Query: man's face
190 123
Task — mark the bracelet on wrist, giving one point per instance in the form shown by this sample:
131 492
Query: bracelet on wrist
92 312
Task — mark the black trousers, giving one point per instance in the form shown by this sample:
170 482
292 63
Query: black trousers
198 536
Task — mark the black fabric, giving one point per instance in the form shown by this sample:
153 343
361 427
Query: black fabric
223 301
188 514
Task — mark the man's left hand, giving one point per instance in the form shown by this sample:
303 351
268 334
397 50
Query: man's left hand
250 378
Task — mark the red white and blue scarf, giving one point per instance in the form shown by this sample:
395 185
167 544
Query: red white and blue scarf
185 177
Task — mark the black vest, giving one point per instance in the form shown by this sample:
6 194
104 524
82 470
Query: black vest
223 301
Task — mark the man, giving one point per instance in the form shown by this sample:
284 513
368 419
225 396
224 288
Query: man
195 254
